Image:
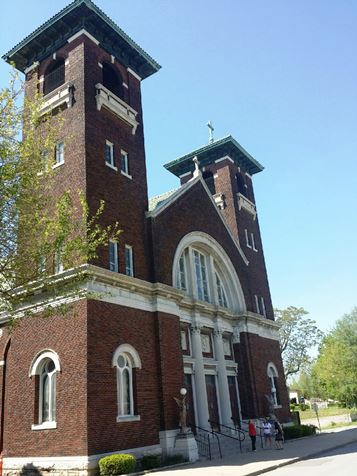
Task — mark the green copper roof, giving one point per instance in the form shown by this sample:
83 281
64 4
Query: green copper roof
78 15
214 151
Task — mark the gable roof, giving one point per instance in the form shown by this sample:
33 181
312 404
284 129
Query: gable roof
176 194
78 15
207 154
160 200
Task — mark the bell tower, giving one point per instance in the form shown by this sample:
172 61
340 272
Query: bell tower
90 72
228 169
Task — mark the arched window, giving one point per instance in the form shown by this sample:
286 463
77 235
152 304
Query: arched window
126 360
273 381
54 76
112 80
45 367
203 270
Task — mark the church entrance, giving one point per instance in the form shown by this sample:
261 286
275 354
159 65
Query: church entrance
234 400
212 400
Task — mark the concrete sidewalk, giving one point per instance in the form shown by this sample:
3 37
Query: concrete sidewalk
264 460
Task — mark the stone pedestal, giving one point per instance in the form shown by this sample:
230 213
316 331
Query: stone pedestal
186 446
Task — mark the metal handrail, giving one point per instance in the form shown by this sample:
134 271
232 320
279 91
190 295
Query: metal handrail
196 427
240 432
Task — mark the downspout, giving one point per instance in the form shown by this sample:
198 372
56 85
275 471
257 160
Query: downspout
2 403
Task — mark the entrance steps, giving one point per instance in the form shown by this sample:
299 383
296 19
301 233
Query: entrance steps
223 446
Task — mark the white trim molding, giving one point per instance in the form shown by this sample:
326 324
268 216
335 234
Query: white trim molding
183 189
214 249
109 100
134 74
44 354
127 349
62 95
256 324
33 66
247 205
226 157
46 425
83 32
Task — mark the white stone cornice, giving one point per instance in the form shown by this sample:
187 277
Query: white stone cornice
253 323
103 285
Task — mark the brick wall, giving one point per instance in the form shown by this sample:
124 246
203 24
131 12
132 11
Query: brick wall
253 354
84 131
66 335
186 215
125 199
155 336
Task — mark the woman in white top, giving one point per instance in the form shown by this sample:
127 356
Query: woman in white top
267 430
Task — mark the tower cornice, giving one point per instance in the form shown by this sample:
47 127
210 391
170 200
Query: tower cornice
81 15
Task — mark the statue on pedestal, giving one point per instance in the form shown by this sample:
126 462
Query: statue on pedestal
181 403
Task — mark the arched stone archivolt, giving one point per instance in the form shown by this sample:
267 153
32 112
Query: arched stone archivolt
202 268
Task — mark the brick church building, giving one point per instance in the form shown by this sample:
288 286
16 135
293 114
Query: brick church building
183 296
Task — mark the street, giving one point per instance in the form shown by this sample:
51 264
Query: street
341 461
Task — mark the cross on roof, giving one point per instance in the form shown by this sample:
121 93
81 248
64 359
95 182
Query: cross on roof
211 129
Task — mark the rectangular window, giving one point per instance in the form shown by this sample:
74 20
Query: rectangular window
109 154
250 240
253 242
113 256
222 300
124 163
42 265
181 278
260 305
58 261
247 241
201 276
129 266
59 153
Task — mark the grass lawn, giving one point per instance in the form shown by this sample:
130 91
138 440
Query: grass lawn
339 425
331 411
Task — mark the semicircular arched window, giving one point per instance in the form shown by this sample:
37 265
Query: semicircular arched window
126 360
204 271
202 277
45 368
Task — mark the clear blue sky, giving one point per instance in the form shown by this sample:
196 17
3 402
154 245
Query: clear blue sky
281 77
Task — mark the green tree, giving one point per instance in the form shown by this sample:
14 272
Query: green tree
335 370
38 228
298 334
304 382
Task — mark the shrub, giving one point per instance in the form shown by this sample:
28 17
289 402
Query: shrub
173 459
114 465
150 461
298 431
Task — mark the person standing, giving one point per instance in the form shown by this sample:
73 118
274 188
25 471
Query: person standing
252 432
267 430
279 435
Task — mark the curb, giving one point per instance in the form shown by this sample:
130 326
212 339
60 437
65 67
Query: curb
298 458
